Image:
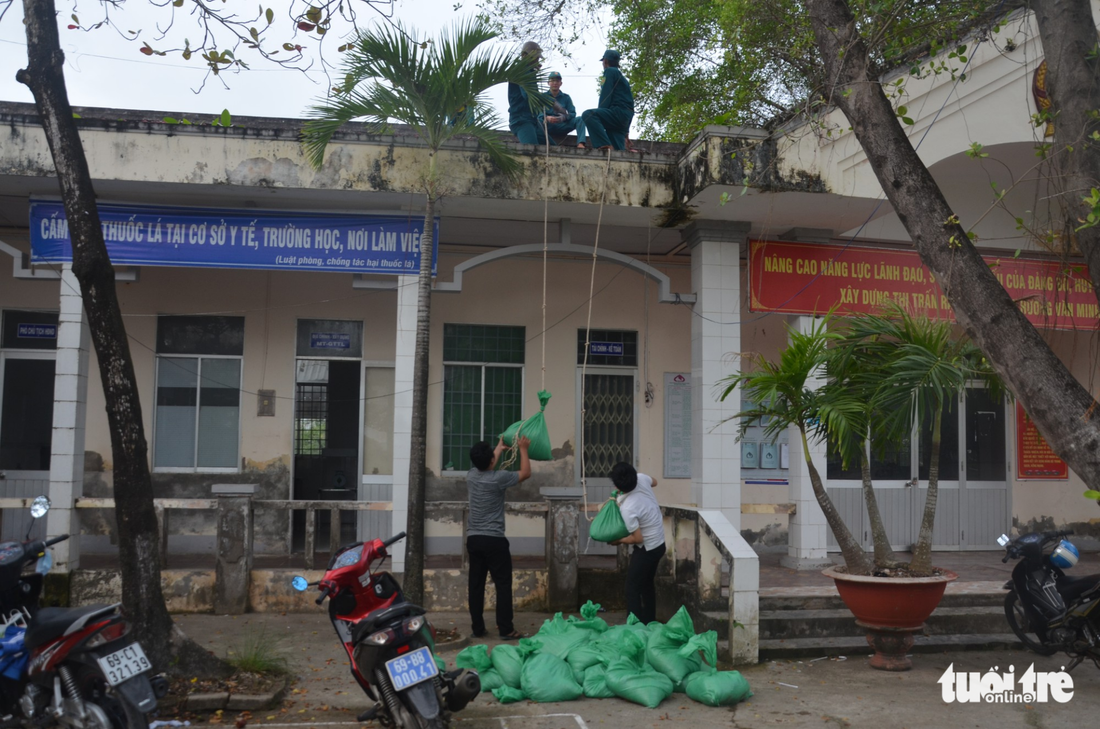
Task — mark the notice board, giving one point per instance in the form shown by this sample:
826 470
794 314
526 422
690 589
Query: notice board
677 425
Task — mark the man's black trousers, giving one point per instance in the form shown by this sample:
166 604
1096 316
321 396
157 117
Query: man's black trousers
641 593
490 555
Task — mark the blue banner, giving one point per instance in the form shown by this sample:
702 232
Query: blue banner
210 238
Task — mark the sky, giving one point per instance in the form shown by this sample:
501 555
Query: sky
103 69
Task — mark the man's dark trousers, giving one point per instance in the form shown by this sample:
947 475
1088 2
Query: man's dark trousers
641 592
490 555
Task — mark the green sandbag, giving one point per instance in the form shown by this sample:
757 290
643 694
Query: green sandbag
639 684
534 428
608 526
717 688
663 649
595 653
595 683
476 657
546 678
508 695
508 662
558 636
589 619
663 653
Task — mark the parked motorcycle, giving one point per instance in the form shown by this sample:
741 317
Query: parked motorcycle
389 641
1046 609
73 667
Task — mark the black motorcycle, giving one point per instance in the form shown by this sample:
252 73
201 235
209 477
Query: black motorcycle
1046 609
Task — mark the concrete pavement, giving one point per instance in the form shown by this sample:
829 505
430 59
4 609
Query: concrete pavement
831 692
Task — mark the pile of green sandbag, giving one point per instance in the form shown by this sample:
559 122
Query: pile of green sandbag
573 657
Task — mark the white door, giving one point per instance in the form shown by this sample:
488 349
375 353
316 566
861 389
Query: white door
376 483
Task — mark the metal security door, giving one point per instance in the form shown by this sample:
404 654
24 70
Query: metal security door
948 527
606 417
985 495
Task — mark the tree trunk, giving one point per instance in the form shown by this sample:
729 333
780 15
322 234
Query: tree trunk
138 545
884 555
414 545
1068 32
1064 411
922 550
854 556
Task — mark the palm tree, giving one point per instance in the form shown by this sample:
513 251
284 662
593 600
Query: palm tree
885 372
782 398
922 367
438 88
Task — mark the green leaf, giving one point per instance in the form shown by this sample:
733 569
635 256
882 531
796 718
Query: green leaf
270 15
907 121
1090 494
226 119
170 120
77 116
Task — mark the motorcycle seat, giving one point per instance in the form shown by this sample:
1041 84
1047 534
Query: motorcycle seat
53 622
1073 587
373 623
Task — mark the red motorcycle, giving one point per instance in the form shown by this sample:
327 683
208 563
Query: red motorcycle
389 641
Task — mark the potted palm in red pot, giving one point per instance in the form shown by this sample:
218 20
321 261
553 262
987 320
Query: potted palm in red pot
885 372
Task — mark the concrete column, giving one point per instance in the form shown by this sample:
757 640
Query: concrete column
234 551
402 410
715 344
562 547
70 398
806 530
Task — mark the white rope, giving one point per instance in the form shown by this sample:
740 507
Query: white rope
545 244
588 334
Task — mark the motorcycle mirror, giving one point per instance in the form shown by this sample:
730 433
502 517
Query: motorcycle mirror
299 583
45 564
1003 540
40 506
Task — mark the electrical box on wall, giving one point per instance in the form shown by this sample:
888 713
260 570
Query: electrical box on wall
265 403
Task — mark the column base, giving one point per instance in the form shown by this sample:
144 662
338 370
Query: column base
891 646
804 563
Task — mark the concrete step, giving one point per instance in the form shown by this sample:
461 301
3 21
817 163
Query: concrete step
799 624
857 646
833 602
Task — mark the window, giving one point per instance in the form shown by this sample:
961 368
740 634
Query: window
198 405
482 386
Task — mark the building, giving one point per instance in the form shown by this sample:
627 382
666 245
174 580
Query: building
298 380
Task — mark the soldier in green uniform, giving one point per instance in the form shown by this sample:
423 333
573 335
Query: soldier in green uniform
563 118
523 123
608 125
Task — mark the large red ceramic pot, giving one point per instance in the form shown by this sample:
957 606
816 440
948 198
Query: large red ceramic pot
892 609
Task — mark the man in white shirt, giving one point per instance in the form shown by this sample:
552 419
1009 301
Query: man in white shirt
643 518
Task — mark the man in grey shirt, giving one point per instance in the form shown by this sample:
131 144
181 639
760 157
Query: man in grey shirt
485 540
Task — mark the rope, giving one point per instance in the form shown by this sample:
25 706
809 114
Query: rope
588 334
545 244
510 459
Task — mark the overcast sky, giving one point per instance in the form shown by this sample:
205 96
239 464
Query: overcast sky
104 70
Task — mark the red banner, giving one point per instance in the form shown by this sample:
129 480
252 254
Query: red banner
808 278
1034 458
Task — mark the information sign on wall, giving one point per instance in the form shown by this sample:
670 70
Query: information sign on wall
36 331
329 340
138 235
803 278
677 425
1034 458
607 349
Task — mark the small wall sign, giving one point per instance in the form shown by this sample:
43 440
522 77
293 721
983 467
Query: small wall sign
606 349
36 331
329 340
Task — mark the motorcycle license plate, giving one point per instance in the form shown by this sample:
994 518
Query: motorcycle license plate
124 664
411 668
